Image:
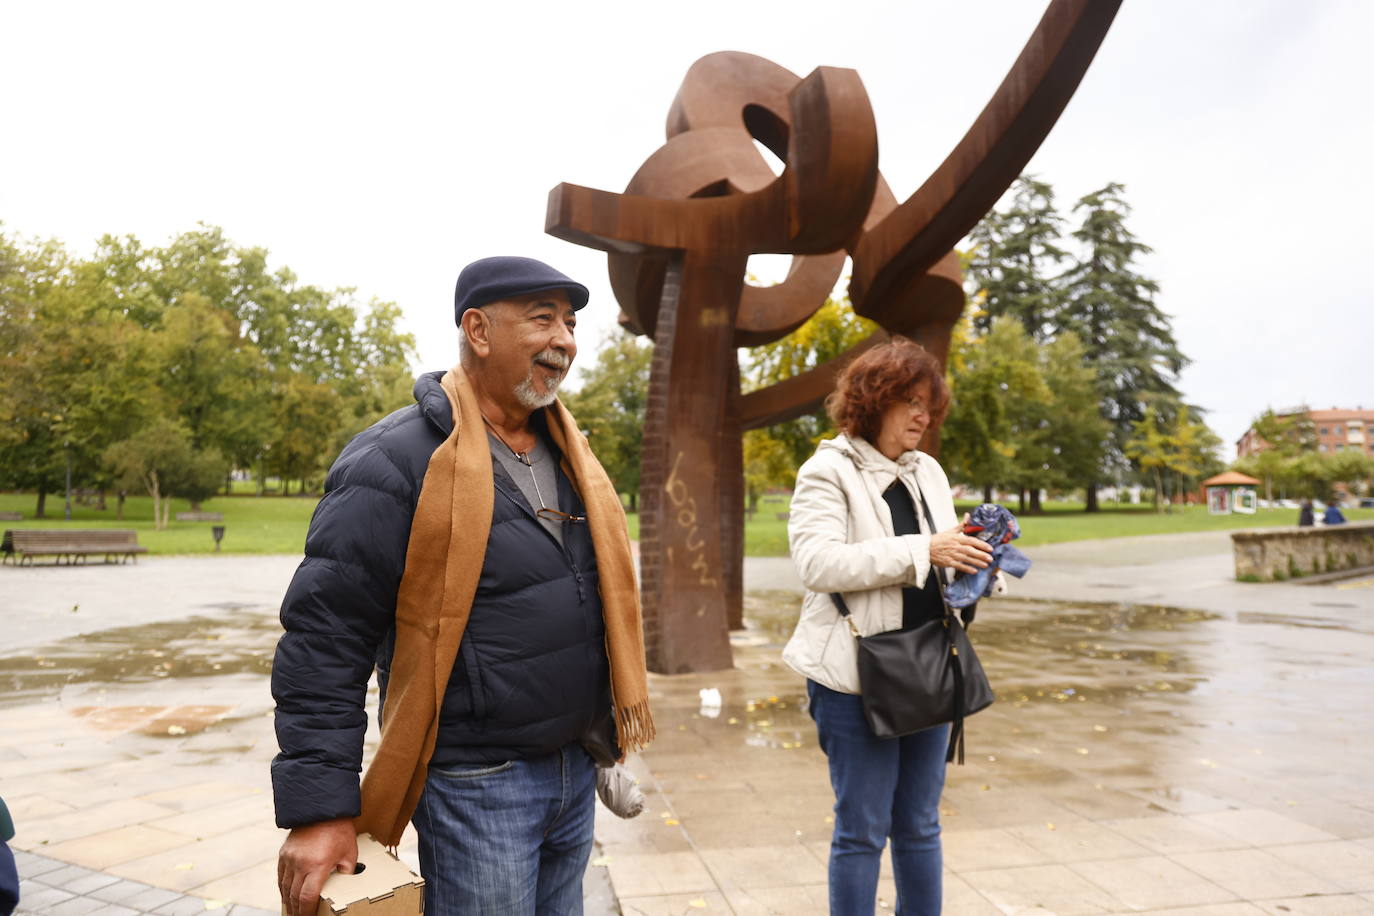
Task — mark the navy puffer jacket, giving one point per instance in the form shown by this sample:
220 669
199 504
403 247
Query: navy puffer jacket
531 674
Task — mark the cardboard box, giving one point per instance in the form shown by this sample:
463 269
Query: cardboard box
385 886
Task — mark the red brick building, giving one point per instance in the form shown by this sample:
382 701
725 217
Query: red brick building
1337 431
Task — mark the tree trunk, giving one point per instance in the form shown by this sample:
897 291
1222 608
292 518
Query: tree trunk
634 500
1159 490
987 492
1035 501
40 512
100 500
156 493
119 507
1020 500
195 505
1091 502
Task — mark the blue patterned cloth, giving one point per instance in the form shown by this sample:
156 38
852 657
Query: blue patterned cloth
996 526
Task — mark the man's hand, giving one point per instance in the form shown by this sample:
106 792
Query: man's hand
957 550
310 855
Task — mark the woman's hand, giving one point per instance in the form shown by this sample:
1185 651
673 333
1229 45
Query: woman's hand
957 550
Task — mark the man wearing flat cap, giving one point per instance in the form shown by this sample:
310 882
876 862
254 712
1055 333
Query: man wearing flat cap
470 548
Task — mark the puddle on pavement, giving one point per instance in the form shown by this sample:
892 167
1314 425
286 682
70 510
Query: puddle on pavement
234 641
1046 653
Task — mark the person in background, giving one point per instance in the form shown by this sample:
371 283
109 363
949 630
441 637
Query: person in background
858 525
1333 515
1305 517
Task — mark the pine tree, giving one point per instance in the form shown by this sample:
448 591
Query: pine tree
1126 337
1014 259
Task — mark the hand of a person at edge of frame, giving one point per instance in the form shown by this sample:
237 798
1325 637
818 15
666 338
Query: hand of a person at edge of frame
957 550
311 854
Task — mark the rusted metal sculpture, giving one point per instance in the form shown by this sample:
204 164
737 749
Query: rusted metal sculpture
679 239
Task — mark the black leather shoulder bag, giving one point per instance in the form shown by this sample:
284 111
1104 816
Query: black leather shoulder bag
917 678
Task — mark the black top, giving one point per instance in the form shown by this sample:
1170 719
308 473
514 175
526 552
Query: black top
919 605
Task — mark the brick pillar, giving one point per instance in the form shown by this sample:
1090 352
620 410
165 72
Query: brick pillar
685 564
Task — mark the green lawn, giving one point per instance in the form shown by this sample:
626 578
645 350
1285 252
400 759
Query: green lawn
252 524
276 524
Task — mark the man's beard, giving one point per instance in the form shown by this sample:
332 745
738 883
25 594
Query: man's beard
528 395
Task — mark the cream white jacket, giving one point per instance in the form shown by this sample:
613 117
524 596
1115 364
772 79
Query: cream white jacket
840 530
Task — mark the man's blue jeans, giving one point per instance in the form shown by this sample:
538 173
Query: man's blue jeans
883 787
507 839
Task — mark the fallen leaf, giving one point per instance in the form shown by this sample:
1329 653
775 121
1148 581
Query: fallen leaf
1050 827
186 866
1082 750
216 904
697 904
1099 728
601 861
176 730
671 822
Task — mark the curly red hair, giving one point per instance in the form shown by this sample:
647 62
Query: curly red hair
880 377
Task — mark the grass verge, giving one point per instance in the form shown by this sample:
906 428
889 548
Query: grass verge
277 524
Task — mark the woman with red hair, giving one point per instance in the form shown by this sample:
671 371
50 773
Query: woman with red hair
861 525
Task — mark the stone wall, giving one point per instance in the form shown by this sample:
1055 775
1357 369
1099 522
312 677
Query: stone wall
1276 554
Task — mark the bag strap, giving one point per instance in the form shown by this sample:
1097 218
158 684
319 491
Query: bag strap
956 727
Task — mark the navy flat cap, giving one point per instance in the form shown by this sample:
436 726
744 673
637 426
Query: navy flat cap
494 279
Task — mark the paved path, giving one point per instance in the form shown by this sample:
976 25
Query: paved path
1211 760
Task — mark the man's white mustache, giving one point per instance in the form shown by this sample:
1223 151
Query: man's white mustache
555 358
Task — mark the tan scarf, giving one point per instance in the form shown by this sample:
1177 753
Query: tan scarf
448 543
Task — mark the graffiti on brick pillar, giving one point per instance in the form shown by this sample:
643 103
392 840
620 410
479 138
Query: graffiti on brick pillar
685 515
679 237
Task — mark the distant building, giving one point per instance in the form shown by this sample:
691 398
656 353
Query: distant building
1337 431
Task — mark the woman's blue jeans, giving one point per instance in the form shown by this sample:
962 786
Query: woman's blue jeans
884 787
509 838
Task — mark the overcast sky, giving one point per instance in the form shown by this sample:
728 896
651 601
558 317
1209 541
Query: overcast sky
384 146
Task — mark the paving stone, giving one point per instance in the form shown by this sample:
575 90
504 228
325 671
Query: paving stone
31 865
182 906
75 906
151 899
61 877
111 909
39 901
87 884
120 891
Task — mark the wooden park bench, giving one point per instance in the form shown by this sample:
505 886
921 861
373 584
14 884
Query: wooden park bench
11 516
200 516
22 545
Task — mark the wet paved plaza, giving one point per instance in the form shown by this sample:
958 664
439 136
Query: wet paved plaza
1140 757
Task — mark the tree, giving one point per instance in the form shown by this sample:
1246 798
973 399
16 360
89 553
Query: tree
610 405
304 422
767 464
213 379
830 332
1126 337
1150 449
998 397
1013 259
1183 446
1064 436
76 374
161 459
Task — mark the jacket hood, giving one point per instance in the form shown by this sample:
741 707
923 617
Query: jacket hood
433 402
867 458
